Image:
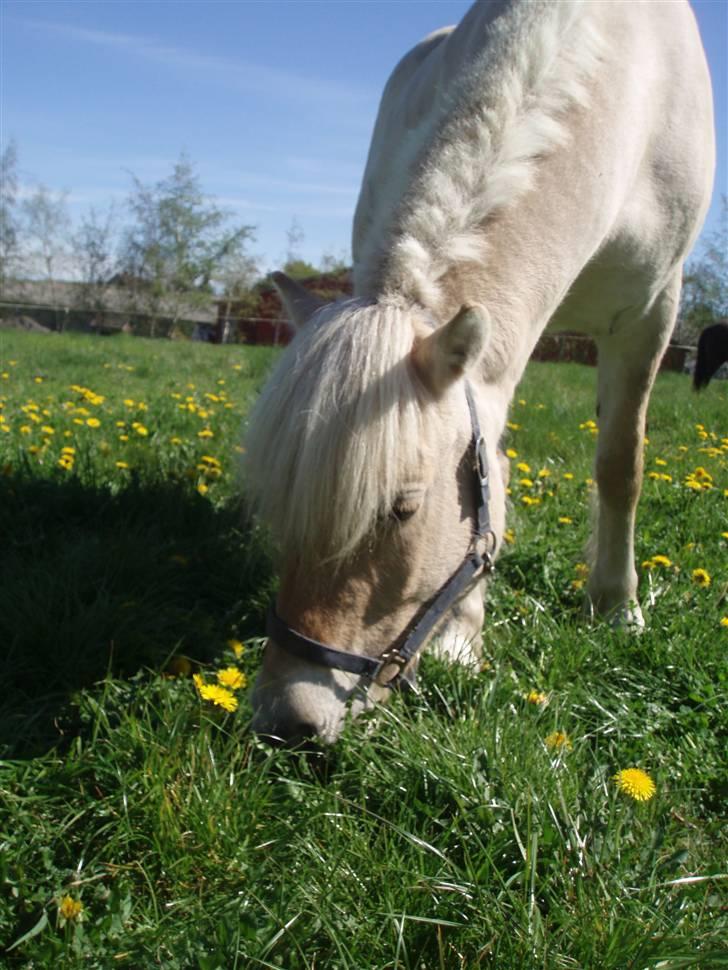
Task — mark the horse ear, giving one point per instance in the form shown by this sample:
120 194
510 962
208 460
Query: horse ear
300 305
445 355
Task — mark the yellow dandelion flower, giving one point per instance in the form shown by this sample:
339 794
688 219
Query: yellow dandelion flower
68 450
565 520
232 678
581 569
568 476
122 464
237 647
93 422
123 437
140 429
724 621
206 433
175 441
544 473
513 425
557 741
526 483
524 467
179 667
724 535
47 429
701 577
537 697
509 536
70 908
511 453
635 783
219 696
203 489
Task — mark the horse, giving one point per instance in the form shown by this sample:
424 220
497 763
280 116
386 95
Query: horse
712 353
540 165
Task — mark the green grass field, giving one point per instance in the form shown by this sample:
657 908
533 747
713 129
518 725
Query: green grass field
477 824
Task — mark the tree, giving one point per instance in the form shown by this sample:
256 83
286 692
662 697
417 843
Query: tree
705 283
295 266
235 276
45 231
9 242
93 246
178 239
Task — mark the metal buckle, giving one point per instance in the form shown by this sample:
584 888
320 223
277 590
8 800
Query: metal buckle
481 460
390 657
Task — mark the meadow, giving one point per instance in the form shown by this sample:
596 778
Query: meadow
478 823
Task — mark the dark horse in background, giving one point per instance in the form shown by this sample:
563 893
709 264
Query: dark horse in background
712 352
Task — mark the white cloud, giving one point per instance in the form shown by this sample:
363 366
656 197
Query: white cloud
252 78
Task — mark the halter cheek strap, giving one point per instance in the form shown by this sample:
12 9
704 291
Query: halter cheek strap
413 638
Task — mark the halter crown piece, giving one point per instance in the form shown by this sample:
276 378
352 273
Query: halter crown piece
412 639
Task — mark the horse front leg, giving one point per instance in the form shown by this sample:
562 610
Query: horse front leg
628 363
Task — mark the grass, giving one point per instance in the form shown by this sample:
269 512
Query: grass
441 833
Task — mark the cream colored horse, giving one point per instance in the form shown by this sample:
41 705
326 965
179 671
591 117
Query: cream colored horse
544 164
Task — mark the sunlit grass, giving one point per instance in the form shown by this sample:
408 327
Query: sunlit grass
479 823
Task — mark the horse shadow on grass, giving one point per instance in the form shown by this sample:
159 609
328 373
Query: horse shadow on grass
94 582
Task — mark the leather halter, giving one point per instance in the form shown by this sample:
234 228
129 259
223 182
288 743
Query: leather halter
413 638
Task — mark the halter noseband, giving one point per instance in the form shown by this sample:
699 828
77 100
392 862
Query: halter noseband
406 646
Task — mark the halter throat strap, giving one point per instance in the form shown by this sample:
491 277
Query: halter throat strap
413 638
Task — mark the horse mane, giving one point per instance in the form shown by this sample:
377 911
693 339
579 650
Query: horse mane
335 430
506 108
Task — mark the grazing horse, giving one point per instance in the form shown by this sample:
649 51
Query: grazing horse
540 165
712 353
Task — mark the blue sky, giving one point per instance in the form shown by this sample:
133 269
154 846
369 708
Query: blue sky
274 101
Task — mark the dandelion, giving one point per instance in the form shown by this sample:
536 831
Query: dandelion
724 621
509 536
217 695
658 560
565 520
206 433
232 678
70 908
237 647
203 489
179 667
122 464
544 473
537 697
526 483
513 425
558 741
635 783
524 467
568 476
93 422
140 429
511 453
701 577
